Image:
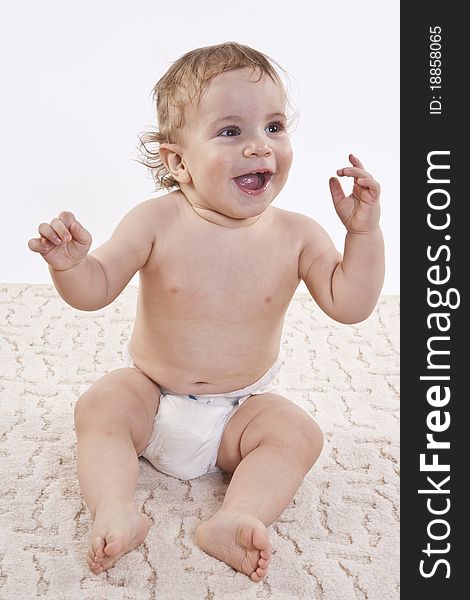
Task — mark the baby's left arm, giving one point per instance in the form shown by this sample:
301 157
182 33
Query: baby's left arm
348 287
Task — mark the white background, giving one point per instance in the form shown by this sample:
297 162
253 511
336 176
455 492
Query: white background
76 83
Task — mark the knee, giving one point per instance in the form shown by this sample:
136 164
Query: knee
95 409
85 410
301 438
310 441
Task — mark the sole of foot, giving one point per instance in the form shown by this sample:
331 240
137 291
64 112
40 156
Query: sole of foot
116 531
239 540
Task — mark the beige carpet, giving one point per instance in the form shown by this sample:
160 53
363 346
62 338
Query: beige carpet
338 539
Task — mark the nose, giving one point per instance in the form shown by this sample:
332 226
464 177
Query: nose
257 148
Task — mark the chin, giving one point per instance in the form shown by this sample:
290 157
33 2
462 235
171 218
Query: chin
247 214
255 211
254 205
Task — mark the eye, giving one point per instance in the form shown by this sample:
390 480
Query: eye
276 127
230 132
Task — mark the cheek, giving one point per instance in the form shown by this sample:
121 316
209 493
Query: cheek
287 156
218 165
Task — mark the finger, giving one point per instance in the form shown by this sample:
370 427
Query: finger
40 245
336 190
355 161
369 184
61 230
47 232
80 234
352 172
67 218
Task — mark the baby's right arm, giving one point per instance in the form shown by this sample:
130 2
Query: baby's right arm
92 281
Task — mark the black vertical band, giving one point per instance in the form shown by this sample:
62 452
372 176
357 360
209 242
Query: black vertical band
434 265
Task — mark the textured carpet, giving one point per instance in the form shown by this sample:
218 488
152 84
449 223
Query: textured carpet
338 539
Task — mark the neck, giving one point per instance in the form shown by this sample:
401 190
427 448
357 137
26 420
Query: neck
217 218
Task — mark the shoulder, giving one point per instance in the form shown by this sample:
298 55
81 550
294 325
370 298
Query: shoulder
299 225
312 240
159 205
290 217
150 215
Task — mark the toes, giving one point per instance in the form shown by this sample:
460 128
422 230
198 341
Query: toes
102 555
112 548
96 554
97 549
259 574
266 554
109 562
261 571
261 540
103 565
96 568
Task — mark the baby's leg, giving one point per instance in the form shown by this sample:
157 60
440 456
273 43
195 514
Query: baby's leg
113 421
269 444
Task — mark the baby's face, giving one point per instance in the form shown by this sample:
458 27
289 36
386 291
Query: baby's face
235 145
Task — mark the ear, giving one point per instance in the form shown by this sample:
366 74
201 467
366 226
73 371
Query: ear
172 158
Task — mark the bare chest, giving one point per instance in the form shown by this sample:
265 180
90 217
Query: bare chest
234 277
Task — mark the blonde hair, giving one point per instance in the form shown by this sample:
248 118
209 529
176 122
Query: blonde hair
183 84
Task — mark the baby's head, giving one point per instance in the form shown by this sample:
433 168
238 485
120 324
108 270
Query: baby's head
182 86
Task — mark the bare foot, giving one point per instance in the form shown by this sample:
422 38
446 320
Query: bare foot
238 539
119 527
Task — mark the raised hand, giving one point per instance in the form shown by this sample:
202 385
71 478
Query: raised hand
63 243
360 211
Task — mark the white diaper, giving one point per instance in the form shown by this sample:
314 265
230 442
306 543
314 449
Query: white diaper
188 430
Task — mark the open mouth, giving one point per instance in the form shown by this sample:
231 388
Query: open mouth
253 183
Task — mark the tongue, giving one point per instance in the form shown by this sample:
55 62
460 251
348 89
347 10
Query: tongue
250 181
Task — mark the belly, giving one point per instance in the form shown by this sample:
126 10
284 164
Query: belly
204 358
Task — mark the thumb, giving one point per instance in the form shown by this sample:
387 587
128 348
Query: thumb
336 191
80 234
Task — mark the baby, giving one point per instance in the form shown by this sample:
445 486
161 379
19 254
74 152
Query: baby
218 267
